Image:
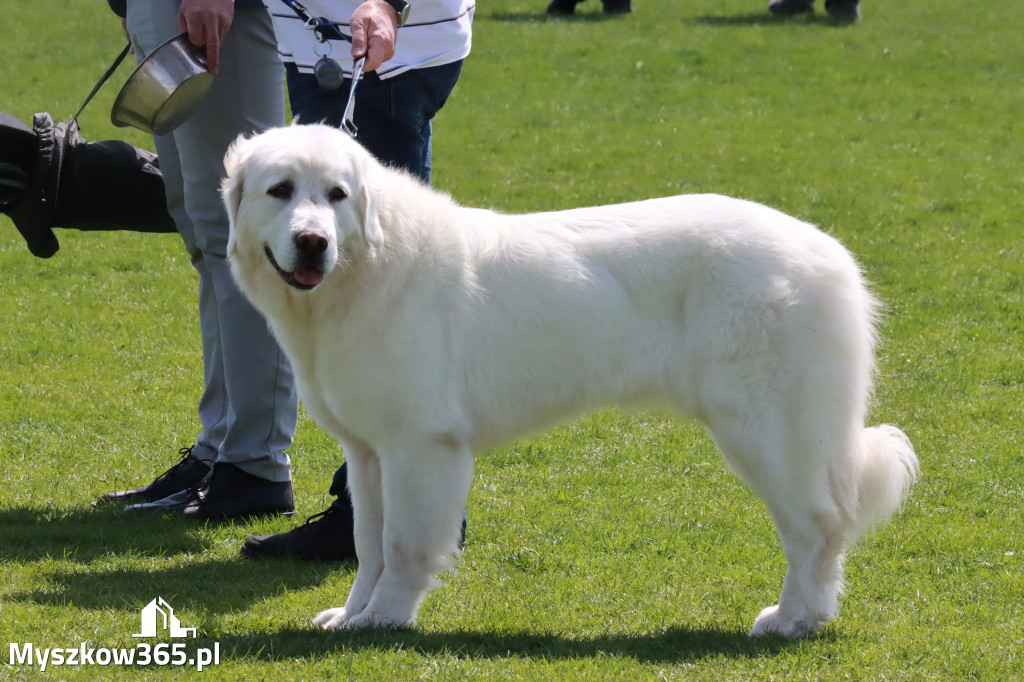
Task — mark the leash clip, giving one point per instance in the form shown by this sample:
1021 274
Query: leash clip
347 122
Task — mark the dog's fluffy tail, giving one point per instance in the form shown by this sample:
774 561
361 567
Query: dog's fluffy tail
888 469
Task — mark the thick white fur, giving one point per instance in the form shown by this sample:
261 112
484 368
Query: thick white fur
440 331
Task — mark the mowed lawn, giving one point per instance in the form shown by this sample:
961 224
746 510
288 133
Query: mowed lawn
619 546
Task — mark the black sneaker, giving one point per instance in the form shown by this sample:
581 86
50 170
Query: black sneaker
843 10
563 6
326 536
227 492
188 472
787 8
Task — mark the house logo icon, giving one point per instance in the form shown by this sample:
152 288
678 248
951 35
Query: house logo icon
159 611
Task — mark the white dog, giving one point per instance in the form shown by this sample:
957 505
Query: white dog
423 333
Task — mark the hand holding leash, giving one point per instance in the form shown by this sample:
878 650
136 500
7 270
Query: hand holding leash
374 33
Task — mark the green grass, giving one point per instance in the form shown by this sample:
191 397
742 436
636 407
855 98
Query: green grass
617 547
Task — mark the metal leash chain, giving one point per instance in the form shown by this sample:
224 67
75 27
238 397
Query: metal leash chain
326 70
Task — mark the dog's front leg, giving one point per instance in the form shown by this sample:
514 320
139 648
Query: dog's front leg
364 483
425 483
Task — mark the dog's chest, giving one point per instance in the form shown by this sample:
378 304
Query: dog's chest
343 366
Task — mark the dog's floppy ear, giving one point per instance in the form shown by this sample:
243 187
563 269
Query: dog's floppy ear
233 185
372 231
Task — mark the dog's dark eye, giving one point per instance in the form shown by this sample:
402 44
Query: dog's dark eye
336 194
282 190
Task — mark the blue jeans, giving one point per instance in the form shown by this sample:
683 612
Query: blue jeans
393 115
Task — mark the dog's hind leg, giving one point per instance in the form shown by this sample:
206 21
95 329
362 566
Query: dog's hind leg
790 472
869 476
814 546
425 486
364 483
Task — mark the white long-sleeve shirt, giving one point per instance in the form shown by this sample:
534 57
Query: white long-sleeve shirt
437 32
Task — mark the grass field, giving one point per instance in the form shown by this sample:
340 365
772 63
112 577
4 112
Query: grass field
620 546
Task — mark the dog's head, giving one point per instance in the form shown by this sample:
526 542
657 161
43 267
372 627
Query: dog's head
298 199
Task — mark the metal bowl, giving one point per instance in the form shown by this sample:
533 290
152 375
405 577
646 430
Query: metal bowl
165 88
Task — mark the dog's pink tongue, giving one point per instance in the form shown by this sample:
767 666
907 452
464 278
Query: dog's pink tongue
308 277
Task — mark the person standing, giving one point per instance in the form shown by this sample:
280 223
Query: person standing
238 465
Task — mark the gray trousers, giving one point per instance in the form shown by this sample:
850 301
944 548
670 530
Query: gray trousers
249 406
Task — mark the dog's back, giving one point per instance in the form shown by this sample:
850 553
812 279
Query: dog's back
553 314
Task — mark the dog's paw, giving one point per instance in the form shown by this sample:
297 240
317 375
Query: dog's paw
369 619
771 621
339 619
332 619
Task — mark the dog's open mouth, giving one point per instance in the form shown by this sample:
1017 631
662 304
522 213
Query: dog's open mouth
304 278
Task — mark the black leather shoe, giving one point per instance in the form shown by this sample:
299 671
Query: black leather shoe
188 472
226 493
326 536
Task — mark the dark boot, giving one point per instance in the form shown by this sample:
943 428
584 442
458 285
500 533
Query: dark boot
326 536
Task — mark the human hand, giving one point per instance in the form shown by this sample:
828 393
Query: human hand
374 33
206 22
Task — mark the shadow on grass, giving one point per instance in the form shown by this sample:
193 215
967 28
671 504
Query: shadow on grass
766 19
674 644
100 558
196 582
539 17
83 534
213 586
752 19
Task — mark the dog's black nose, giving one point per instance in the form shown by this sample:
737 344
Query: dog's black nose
310 243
